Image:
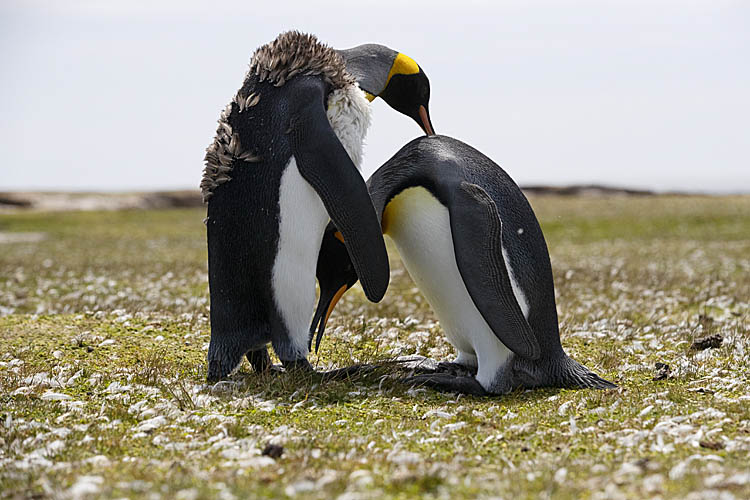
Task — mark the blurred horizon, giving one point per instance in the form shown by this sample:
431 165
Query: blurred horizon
124 96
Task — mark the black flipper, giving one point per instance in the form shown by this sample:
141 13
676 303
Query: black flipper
477 240
324 163
448 383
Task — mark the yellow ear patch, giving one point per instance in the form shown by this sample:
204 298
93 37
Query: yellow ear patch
369 96
403 65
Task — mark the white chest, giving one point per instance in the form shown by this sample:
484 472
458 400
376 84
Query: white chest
420 227
302 220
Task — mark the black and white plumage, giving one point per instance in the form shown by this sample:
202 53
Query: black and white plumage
284 160
471 242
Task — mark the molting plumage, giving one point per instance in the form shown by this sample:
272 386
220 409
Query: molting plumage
291 54
221 155
294 53
349 114
285 158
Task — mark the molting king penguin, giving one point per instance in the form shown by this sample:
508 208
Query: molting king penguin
285 158
470 241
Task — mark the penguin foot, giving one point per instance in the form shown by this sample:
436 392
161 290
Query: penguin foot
444 382
416 363
259 360
273 370
456 369
221 368
298 365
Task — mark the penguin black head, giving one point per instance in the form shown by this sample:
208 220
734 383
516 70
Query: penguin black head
393 76
335 274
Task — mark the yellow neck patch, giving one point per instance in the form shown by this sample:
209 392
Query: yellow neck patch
403 65
391 213
388 215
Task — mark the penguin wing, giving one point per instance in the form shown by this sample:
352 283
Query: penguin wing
477 240
325 165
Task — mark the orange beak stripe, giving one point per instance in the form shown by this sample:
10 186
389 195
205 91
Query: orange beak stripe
425 121
339 236
335 299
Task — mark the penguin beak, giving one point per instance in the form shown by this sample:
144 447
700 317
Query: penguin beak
424 116
326 305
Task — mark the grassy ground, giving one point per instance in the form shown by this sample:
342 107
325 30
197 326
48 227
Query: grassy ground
104 332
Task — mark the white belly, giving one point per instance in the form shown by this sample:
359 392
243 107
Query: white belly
420 227
302 220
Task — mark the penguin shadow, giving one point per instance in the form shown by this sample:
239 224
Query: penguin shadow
331 385
389 377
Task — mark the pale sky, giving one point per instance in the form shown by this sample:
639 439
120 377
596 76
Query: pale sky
122 95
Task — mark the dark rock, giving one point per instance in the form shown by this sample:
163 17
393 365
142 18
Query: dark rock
273 450
712 445
709 342
643 463
662 371
702 390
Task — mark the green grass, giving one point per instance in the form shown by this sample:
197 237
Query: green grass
104 330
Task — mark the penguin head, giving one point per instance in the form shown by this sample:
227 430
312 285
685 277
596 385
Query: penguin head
393 76
336 275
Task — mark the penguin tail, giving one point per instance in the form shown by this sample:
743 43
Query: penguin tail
572 374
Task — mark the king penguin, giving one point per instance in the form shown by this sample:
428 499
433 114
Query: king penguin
469 239
284 160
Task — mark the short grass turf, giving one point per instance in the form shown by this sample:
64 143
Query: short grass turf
104 331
